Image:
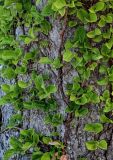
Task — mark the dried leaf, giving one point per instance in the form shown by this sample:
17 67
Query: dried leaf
64 157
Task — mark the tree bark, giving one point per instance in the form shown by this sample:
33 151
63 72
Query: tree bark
72 129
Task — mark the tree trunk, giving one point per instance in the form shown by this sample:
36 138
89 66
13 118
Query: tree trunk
71 130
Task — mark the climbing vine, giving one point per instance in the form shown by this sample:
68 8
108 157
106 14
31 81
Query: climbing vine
88 51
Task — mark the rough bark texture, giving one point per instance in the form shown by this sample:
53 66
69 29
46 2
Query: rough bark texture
71 132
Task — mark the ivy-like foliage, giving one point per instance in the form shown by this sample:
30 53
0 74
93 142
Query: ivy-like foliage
88 51
28 140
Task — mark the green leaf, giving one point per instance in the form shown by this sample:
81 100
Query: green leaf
96 56
111 77
105 119
45 60
62 12
2 101
22 84
91 34
81 112
97 31
10 54
46 140
82 15
109 44
106 94
35 138
99 6
68 55
27 132
54 119
15 120
5 88
82 100
30 105
102 144
56 63
26 146
36 155
21 70
58 4
29 56
80 35
94 33
51 89
72 23
97 39
46 156
39 83
91 145
28 40
102 82
47 10
15 143
93 97
68 44
8 73
108 106
94 127
101 23
109 19
102 69
8 154
92 17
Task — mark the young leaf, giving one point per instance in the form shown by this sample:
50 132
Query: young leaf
81 112
26 146
51 89
99 6
82 100
82 15
92 145
105 119
68 55
15 120
101 23
45 60
102 82
56 63
102 144
46 140
5 88
46 156
36 155
9 55
22 84
8 73
39 82
2 101
62 12
47 10
108 107
8 154
15 143
58 4
106 95
93 17
94 127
